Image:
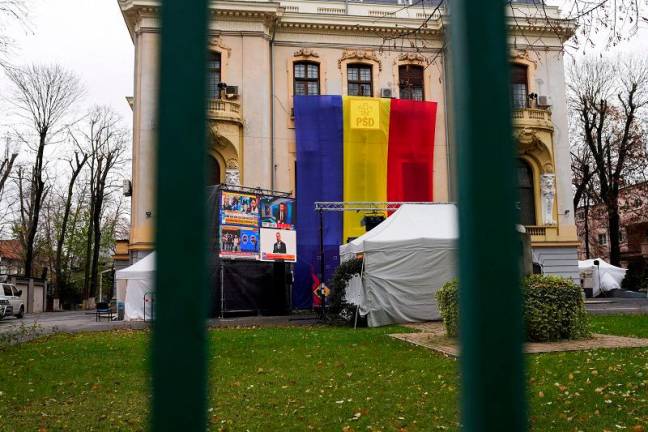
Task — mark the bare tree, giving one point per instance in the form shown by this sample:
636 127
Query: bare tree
6 165
106 143
76 166
11 11
43 96
607 100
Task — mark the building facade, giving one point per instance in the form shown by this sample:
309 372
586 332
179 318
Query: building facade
262 53
593 231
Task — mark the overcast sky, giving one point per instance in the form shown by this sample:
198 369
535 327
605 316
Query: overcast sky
90 38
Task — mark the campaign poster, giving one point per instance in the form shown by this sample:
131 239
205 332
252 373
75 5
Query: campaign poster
239 209
278 213
239 242
278 245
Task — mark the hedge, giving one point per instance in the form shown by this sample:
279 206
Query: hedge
338 284
553 308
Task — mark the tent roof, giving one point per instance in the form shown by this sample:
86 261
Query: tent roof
410 222
142 269
587 264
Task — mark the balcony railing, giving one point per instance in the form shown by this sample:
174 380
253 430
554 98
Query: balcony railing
533 118
536 230
223 109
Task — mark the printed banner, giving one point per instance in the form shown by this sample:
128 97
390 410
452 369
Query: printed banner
355 149
239 242
239 209
278 245
278 213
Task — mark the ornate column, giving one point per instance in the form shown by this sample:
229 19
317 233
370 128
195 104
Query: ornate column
548 190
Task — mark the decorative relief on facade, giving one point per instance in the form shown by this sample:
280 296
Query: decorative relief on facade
360 55
216 43
232 173
414 57
547 188
522 56
306 52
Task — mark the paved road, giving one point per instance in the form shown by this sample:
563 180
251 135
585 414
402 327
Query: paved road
608 306
69 321
80 321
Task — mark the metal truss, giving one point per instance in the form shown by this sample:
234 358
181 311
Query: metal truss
372 206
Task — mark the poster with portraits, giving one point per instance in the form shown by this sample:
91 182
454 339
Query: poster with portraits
256 227
239 209
277 213
278 245
239 242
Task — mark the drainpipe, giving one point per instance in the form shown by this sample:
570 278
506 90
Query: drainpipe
272 107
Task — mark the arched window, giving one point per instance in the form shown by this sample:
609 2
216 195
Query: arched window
519 86
410 82
527 195
306 79
214 75
359 80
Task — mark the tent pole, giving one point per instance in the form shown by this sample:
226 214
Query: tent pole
321 293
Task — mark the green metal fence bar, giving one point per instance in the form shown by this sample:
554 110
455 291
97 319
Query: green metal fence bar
493 397
179 335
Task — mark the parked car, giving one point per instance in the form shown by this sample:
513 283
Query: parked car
10 301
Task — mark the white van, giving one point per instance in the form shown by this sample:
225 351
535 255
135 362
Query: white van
10 301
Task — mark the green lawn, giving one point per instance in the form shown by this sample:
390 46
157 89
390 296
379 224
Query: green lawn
295 379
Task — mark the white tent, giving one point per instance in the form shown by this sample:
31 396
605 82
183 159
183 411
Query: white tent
133 283
605 277
407 258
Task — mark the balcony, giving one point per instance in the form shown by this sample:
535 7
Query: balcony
542 233
224 110
533 118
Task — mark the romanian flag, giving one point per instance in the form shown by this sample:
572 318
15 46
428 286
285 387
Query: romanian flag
355 149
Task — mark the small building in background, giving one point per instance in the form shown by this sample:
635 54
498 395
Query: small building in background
11 260
593 232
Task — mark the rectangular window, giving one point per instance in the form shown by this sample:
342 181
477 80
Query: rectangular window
410 82
214 75
622 238
306 79
519 87
602 239
7 290
359 80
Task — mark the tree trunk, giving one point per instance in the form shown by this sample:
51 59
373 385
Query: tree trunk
37 200
587 234
613 227
61 238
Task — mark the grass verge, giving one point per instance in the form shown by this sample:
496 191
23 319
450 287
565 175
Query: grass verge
300 379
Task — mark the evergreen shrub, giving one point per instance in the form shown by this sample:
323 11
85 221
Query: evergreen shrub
343 273
553 308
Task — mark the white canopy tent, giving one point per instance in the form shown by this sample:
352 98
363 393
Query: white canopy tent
605 277
133 283
407 258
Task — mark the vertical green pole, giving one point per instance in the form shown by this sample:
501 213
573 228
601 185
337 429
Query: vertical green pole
493 396
179 342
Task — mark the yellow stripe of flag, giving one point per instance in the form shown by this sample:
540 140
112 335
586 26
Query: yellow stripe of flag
366 132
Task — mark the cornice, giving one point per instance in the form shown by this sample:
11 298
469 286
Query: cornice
271 12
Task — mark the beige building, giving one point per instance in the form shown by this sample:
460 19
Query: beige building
264 52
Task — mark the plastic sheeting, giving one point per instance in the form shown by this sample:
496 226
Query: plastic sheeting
407 258
139 281
605 276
